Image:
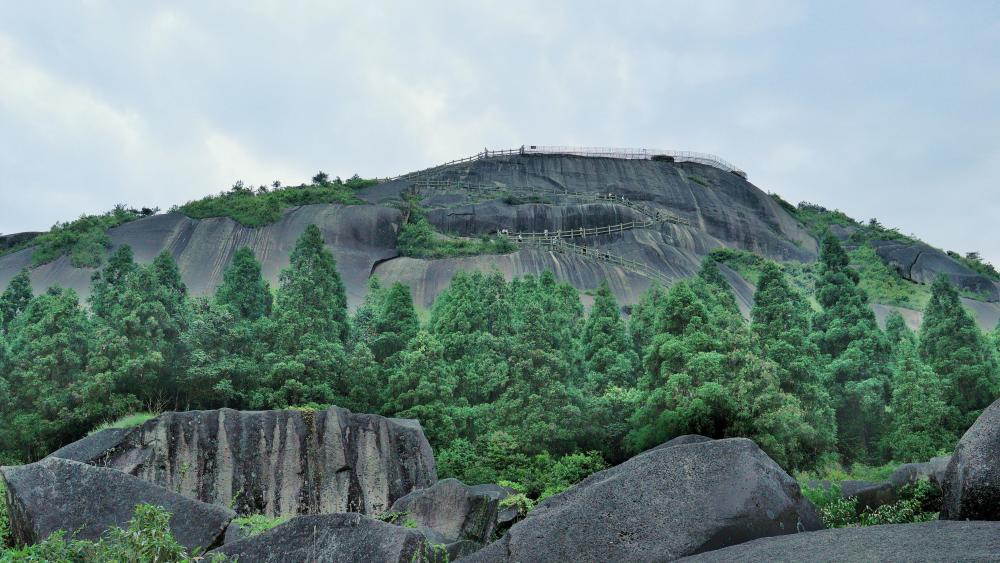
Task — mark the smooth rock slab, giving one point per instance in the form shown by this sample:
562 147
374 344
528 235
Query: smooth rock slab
928 541
277 463
335 538
971 489
661 505
870 494
909 473
456 514
58 494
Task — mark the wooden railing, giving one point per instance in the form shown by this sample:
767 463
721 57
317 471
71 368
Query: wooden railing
593 152
658 216
559 245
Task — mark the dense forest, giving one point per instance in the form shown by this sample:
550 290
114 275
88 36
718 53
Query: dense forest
512 380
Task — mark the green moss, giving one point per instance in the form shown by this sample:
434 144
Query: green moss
258 523
129 421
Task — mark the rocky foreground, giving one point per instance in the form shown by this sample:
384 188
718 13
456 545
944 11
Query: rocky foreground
364 488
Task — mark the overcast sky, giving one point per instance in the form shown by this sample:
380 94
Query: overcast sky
889 111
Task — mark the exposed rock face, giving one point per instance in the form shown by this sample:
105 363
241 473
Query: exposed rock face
684 440
359 236
59 494
922 263
928 541
972 480
661 505
335 538
909 473
272 462
869 494
461 517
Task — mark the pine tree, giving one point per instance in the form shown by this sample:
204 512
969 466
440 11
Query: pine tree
108 284
919 413
642 320
244 289
780 327
366 381
49 341
396 323
608 354
422 387
859 356
14 299
896 331
953 347
365 317
311 299
310 325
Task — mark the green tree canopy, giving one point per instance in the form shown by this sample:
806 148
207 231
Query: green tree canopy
243 287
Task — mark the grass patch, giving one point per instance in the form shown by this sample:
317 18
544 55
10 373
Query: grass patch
883 284
85 240
129 421
258 523
262 206
801 275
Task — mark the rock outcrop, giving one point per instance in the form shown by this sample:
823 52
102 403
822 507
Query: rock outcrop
684 440
932 471
972 480
335 538
59 494
661 505
870 494
929 541
453 513
277 463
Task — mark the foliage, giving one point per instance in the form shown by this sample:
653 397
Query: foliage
252 208
5 532
127 421
954 348
418 239
882 284
147 539
258 523
916 504
973 261
243 288
85 240
920 414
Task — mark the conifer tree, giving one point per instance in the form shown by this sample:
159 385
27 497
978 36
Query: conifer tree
14 299
859 356
49 341
366 382
780 327
396 323
243 288
108 284
610 359
365 317
919 413
310 325
896 331
953 347
642 320
422 387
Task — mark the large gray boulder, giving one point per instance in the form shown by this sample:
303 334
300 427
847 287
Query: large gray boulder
59 494
684 440
335 538
457 515
910 473
972 480
277 463
870 494
661 505
929 541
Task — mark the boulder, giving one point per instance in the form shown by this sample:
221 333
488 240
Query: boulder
661 505
457 515
683 441
928 541
910 473
507 514
335 538
59 494
870 494
971 489
276 463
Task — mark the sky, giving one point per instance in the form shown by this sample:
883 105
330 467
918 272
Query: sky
886 110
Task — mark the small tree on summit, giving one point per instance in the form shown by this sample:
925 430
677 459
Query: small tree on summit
321 178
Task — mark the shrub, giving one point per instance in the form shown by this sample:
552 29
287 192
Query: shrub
5 539
129 421
85 240
146 539
258 523
418 239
